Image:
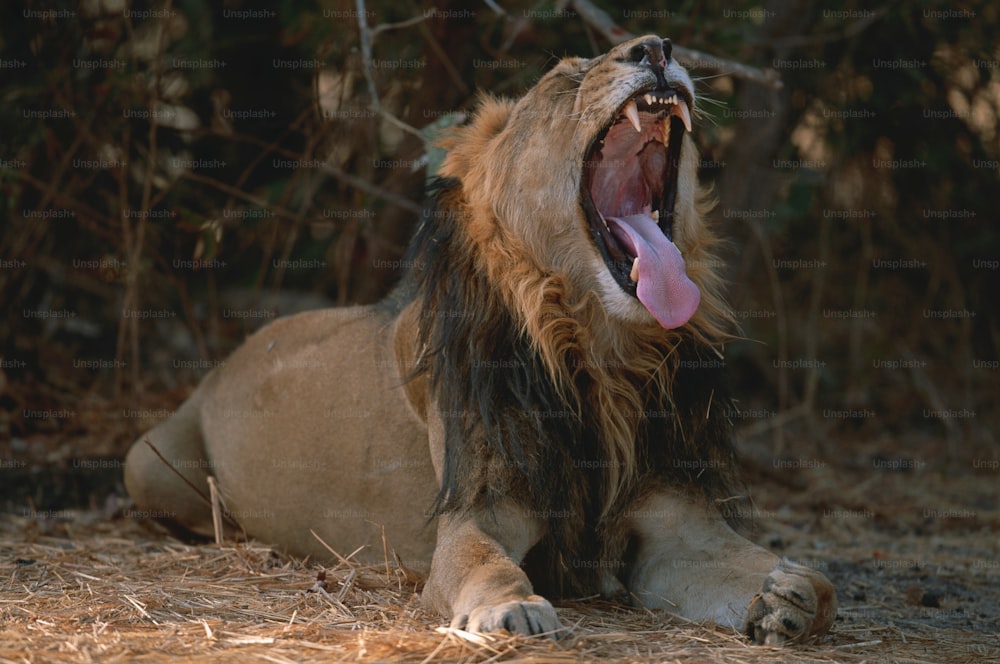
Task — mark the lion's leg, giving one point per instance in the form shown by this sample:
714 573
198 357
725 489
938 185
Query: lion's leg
154 482
475 575
690 562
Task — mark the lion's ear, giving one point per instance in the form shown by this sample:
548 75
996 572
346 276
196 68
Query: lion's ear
468 145
492 115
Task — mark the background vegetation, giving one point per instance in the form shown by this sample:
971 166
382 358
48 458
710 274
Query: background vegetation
176 174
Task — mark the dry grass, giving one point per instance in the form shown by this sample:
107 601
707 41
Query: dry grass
78 586
82 588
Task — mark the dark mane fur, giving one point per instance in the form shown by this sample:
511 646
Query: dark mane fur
510 431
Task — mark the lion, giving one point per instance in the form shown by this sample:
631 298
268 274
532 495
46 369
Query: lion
539 406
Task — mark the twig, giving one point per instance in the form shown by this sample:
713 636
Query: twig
497 9
374 189
347 178
382 27
240 194
385 554
926 386
430 658
600 21
812 336
131 297
860 298
782 320
366 34
446 62
343 560
132 266
217 510
863 644
347 585
266 149
777 422
697 59
208 501
86 210
319 586
139 607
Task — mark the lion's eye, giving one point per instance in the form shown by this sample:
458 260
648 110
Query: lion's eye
637 53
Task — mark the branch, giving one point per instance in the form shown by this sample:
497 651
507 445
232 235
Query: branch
373 189
382 27
366 35
599 20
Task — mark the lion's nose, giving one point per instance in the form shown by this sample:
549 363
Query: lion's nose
655 54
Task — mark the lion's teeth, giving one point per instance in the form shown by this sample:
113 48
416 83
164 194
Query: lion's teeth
655 215
681 110
632 113
634 274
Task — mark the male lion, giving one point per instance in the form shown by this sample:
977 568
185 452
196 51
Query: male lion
554 347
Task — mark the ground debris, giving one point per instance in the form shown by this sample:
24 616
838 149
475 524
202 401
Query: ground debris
114 590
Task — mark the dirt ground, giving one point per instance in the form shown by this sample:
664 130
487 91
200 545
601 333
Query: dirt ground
911 544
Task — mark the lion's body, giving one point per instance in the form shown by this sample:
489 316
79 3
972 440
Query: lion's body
298 436
511 403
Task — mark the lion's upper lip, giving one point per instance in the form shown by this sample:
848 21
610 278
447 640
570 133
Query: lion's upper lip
631 168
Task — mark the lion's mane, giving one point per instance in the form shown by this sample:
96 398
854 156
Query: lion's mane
545 398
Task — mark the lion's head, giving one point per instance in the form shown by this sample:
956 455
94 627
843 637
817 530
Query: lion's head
593 175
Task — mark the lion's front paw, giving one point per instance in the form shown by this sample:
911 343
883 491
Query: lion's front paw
796 602
532 615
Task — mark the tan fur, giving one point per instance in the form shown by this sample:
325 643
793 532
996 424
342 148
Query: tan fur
570 327
331 422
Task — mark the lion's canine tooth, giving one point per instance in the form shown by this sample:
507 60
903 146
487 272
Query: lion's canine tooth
632 113
634 274
681 110
655 215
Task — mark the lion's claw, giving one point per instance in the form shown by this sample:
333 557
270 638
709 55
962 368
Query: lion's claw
795 603
532 615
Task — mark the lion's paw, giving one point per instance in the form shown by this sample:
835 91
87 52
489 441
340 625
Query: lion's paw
795 603
532 615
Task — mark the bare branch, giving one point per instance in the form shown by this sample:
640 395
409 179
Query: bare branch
691 58
373 189
366 34
382 27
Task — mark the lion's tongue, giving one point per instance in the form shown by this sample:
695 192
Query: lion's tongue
664 287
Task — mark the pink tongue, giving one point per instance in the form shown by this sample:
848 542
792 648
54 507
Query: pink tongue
664 287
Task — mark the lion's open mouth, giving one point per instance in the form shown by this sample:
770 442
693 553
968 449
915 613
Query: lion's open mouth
629 190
